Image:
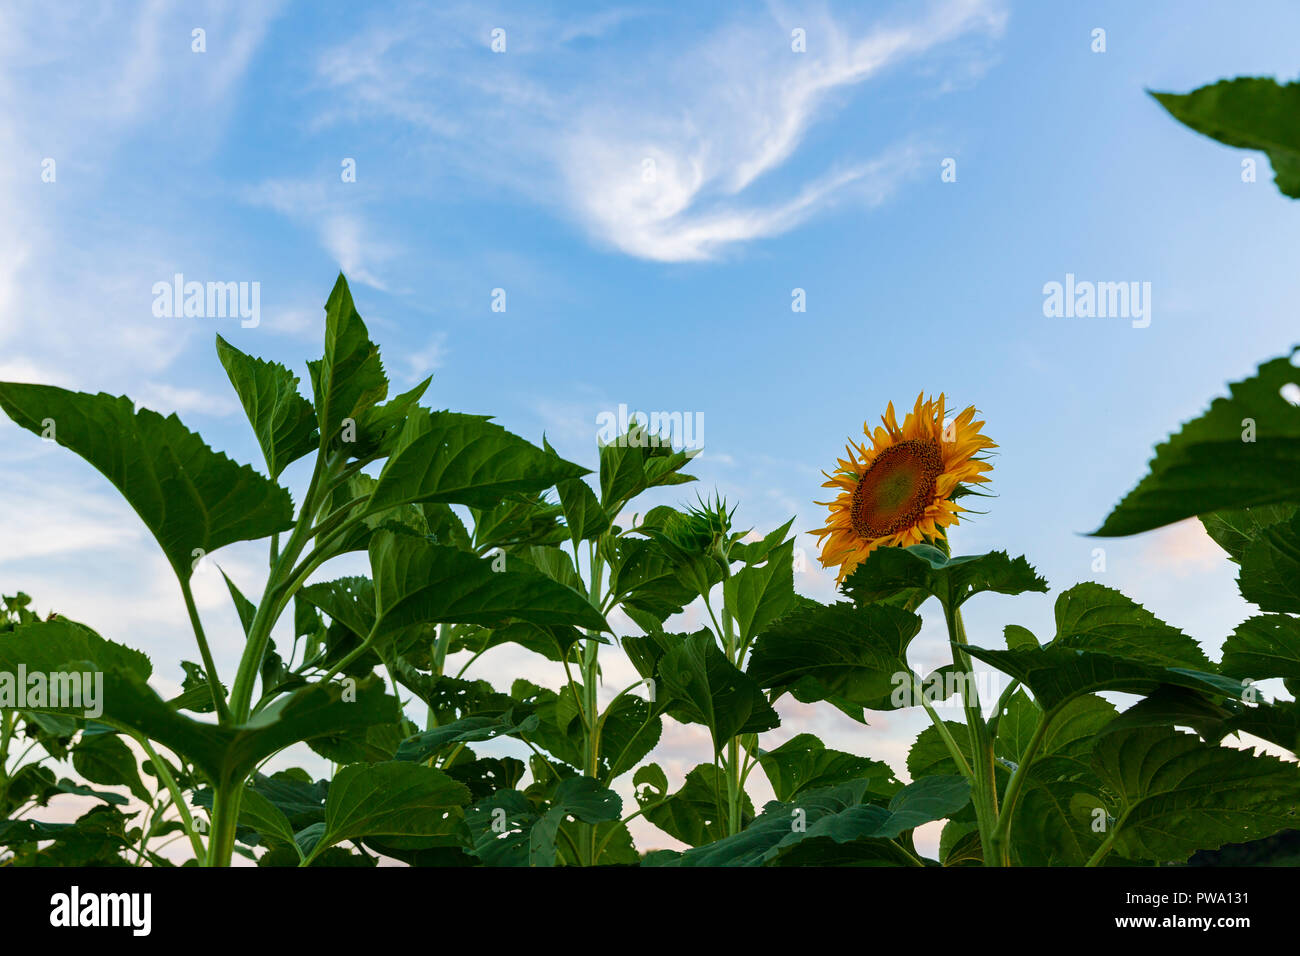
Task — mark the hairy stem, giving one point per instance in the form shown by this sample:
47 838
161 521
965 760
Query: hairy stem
957 756
983 780
225 817
1001 832
168 781
209 666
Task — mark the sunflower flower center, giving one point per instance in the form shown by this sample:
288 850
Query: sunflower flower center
895 491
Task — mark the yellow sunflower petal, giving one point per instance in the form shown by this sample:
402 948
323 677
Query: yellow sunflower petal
897 487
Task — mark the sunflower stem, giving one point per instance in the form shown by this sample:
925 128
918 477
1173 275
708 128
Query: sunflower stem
984 781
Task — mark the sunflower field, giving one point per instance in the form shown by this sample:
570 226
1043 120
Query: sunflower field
477 539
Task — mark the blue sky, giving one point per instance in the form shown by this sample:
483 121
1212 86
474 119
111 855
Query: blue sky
523 171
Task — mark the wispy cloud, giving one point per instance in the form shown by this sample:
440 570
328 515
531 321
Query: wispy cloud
676 180
424 361
680 169
339 224
80 88
166 399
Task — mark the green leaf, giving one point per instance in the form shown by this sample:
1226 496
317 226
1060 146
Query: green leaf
1016 724
417 582
1210 466
1073 733
104 759
190 497
1054 823
630 728
698 684
361 522
522 836
637 461
1106 641
47 645
643 579
959 844
376 743
630 731
697 813
1248 113
245 608
929 755
449 698
284 421
1207 714
296 795
803 763
349 378
1177 795
1066 748
838 652
315 711
1057 674
755 552
64 785
350 601
1270 568
1093 617
466 730
486 775
585 518
378 426
1264 646
551 642
259 813
1018 637
1278 722
756 595
889 573
835 815
223 754
464 459
555 563
18 832
518 522
396 799
445 525
1234 530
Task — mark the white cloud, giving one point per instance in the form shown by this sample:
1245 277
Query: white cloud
668 162
673 180
43 521
340 228
662 220
423 362
79 87
21 369
344 238
167 399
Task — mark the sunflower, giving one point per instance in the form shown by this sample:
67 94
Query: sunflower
898 488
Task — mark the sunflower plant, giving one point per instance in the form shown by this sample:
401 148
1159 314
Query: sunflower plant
700 677
349 637
474 538
32 746
1052 773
